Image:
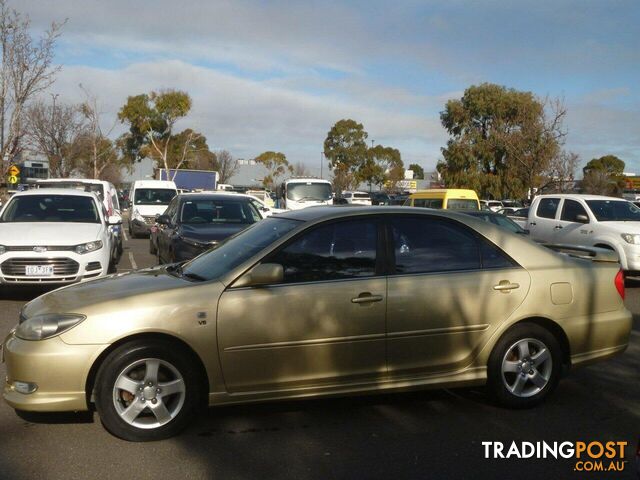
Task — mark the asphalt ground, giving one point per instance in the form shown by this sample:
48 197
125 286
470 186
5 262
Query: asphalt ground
429 434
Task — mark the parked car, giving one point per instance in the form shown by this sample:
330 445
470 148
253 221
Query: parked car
149 198
497 219
493 205
445 198
108 195
55 236
194 223
519 215
379 198
591 220
359 198
319 302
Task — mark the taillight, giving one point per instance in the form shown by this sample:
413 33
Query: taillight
620 283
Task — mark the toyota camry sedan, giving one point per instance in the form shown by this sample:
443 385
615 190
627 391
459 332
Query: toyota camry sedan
317 302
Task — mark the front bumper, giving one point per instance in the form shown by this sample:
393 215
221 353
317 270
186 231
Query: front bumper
89 266
59 370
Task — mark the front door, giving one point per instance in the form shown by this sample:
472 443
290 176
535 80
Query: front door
449 291
569 230
323 325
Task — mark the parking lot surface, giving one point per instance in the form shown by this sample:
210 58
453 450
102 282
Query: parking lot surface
432 434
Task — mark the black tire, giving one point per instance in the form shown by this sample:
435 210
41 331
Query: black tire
185 403
506 351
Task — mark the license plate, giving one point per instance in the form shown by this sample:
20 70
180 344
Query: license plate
39 270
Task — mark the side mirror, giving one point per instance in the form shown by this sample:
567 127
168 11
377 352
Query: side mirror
582 219
263 274
114 220
163 219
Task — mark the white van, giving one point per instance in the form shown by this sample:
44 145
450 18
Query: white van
357 198
148 198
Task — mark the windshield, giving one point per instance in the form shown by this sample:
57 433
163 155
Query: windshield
219 211
614 210
238 249
153 196
51 208
308 191
462 204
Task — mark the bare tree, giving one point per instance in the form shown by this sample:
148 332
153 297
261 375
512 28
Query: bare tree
560 176
53 131
227 166
26 70
301 170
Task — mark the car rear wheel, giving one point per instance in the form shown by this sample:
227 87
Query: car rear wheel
524 366
146 391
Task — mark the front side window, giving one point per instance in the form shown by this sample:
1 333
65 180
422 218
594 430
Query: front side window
330 252
425 245
462 204
52 208
153 196
547 207
570 211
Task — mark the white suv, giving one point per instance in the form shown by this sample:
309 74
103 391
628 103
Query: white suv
588 220
54 236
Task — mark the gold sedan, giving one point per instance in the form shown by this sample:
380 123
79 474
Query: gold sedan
322 301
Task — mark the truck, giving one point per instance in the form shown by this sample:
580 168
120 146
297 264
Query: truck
190 180
297 193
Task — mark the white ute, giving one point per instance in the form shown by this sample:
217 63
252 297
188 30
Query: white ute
54 236
591 221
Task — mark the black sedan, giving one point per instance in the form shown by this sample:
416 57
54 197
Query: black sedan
196 222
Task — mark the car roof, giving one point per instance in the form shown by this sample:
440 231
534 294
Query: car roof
72 180
213 195
582 196
154 183
56 191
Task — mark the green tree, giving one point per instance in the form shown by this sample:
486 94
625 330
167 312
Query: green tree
346 150
418 171
151 119
383 165
276 163
502 140
604 176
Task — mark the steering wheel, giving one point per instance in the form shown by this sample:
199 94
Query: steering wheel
197 220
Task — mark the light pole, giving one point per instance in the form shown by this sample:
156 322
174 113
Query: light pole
321 162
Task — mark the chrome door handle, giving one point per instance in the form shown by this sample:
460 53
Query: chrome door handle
367 298
505 286
558 227
532 223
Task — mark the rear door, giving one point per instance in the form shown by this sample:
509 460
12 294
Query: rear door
542 219
448 291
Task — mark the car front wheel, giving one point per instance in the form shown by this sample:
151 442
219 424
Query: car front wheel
146 391
524 366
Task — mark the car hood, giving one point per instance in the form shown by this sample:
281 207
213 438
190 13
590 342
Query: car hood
210 232
48 233
118 288
621 227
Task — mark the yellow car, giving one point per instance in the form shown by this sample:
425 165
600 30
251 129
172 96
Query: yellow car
317 302
445 198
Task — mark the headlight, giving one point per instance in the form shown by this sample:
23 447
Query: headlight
89 247
2 249
193 243
47 325
136 215
633 238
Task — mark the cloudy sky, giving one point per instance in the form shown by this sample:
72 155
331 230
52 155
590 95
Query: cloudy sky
276 75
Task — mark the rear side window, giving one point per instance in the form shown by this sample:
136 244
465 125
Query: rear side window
547 207
425 245
462 204
571 209
428 202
